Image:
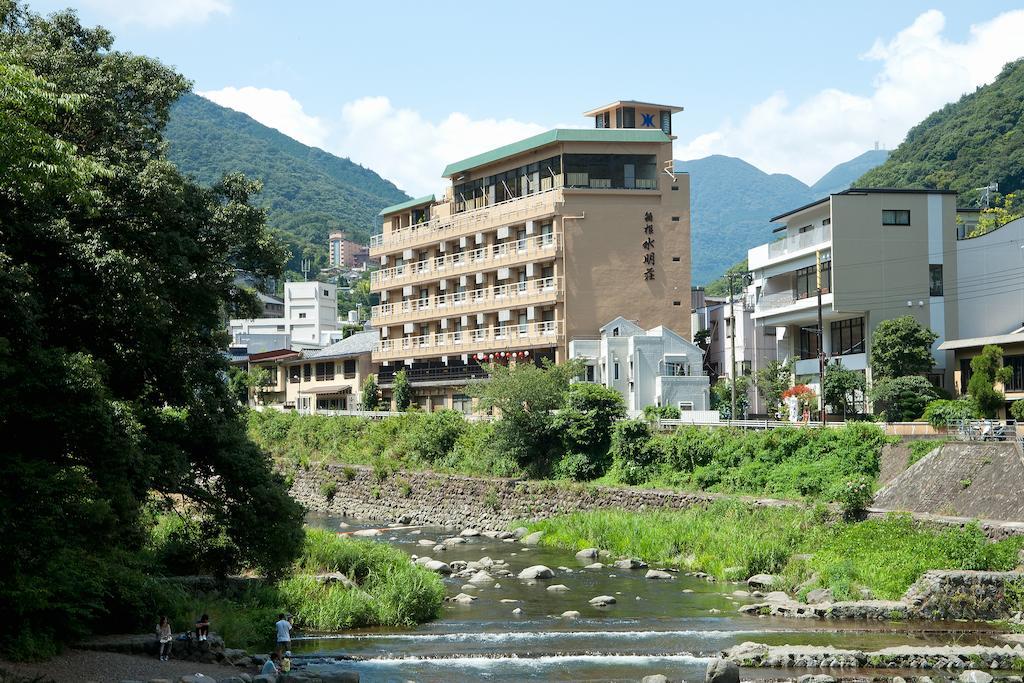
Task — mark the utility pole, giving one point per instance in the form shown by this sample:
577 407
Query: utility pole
821 339
732 355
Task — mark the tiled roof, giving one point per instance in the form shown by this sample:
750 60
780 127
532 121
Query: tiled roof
359 343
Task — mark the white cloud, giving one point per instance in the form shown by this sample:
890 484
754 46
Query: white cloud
411 151
274 108
160 13
920 71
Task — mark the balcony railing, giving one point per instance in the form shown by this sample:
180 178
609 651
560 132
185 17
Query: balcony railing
514 294
495 338
804 240
467 261
777 300
473 220
445 373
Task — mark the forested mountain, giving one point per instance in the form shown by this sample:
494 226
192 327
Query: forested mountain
731 202
308 191
965 145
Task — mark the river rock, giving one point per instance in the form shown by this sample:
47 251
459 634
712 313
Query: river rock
420 561
485 562
761 581
481 577
816 678
468 587
519 532
532 539
462 599
595 565
440 548
517 610
819 595
777 596
367 533
457 565
197 678
586 553
503 535
426 541
602 600
469 533
657 574
454 540
558 588
722 671
438 566
974 676
630 563
537 571
510 601
654 678
570 614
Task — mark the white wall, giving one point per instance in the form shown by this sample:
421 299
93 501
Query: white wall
989 288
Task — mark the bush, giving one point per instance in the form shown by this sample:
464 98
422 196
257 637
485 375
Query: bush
655 413
853 496
902 399
1017 410
328 490
632 453
585 425
943 412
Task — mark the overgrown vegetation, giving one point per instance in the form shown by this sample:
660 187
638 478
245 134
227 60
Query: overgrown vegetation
732 540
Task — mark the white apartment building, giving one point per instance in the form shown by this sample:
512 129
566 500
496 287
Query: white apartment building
310 316
655 367
883 254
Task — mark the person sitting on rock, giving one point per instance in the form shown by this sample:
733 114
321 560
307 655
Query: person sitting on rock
164 637
203 627
270 666
286 662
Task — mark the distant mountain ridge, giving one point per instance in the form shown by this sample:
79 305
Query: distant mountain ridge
731 201
308 192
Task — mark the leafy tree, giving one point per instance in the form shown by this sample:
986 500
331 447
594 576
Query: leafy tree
772 380
721 397
1017 410
842 387
633 454
942 412
901 347
259 379
116 272
655 413
1006 208
525 397
902 399
720 286
401 391
370 393
585 425
986 370
238 384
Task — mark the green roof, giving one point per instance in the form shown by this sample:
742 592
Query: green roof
557 135
428 199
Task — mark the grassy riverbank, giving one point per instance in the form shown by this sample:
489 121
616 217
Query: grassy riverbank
391 592
731 540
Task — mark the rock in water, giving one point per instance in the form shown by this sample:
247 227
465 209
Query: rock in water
657 574
481 577
570 614
532 539
537 571
587 553
816 678
655 678
722 671
366 533
519 532
630 563
463 599
438 566
974 676
558 588
602 600
469 533
761 581
819 595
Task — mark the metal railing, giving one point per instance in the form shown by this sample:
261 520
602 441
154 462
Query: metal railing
804 240
514 294
449 265
502 336
985 430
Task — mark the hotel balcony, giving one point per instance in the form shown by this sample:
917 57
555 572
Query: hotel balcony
784 307
472 261
508 337
516 294
479 219
790 247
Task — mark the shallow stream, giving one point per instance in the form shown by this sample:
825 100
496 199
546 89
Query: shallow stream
672 627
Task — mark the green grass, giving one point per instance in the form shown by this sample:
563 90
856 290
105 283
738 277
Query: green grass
732 540
921 448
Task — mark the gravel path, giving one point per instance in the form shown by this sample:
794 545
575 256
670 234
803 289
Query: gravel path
81 666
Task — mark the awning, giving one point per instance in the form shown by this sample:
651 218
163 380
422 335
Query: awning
329 389
1015 337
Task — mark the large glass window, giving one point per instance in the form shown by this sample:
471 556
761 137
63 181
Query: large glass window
807 280
935 279
808 343
612 171
324 371
507 185
847 336
1016 363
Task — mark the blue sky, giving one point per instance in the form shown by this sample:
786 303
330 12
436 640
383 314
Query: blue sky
404 88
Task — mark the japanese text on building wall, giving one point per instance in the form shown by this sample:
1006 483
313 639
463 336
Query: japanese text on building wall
648 245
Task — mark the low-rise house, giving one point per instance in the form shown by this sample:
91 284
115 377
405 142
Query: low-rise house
655 367
331 378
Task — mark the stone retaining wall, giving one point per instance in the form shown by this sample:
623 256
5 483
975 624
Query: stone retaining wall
967 595
454 500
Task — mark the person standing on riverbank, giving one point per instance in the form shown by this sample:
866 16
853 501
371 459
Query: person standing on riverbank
163 635
284 633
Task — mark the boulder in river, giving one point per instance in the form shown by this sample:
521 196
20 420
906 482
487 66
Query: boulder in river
587 553
570 614
532 539
481 577
366 533
537 571
816 678
454 540
974 676
630 563
595 565
603 600
558 588
819 595
438 566
519 532
469 533
462 599
761 581
657 574
654 678
722 671
517 610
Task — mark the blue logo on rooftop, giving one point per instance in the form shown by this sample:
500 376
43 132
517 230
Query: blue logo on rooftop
648 121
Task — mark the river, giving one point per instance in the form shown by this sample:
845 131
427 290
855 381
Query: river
673 627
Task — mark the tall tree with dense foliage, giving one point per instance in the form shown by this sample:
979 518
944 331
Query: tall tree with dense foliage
843 388
585 425
401 391
987 369
773 379
116 272
902 399
370 397
901 347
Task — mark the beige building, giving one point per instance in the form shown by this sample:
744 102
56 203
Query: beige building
534 244
882 253
344 253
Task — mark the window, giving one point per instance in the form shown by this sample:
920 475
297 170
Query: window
685 406
847 336
806 228
307 372
301 316
807 280
895 217
677 303
616 369
628 117
294 374
615 331
808 343
324 372
462 403
1016 363
350 369
326 293
965 374
827 221
935 279
588 373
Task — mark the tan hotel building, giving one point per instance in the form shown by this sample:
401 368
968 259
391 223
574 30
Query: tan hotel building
534 244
